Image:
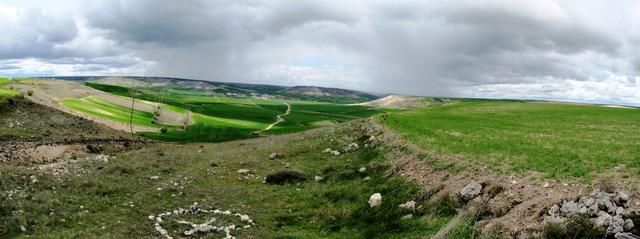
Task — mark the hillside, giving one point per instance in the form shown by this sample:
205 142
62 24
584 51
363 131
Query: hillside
231 89
320 92
396 101
173 110
121 194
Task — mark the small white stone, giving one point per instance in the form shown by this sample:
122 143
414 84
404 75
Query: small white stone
317 178
406 217
151 217
546 185
375 200
362 170
411 205
154 177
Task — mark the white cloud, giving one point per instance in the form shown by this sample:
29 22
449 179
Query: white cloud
497 48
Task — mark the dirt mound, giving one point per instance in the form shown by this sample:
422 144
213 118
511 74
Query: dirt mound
395 101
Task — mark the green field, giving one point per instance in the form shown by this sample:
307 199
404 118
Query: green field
4 92
559 140
218 118
96 107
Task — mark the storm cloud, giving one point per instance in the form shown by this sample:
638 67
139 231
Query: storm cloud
564 50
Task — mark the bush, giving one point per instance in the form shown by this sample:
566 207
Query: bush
285 176
164 130
575 227
30 92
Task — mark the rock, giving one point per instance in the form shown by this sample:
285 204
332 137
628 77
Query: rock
602 220
586 201
352 147
317 178
327 150
411 205
362 170
273 156
554 211
569 208
621 198
23 229
375 200
244 218
407 217
604 203
244 171
154 177
285 176
628 224
583 210
619 211
593 210
471 191
334 152
553 220
546 185
367 178
616 225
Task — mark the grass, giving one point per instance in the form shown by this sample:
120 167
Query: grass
220 119
559 140
99 108
114 199
6 92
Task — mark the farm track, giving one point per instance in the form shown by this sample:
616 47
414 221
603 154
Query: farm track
279 119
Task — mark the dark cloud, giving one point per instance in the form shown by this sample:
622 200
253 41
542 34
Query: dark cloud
461 48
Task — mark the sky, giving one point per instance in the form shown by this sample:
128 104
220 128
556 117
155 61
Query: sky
574 50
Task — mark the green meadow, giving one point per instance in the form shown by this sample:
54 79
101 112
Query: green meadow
4 92
558 140
218 118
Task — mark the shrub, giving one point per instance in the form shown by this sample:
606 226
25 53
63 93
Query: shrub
164 130
30 92
285 176
575 227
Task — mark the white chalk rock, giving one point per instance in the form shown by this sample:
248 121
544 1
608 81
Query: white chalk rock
375 200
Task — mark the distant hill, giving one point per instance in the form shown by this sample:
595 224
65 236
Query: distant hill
395 101
233 89
319 92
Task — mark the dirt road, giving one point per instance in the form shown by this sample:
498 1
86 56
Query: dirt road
279 119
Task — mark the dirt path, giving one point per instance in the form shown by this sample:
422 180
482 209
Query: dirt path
279 118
